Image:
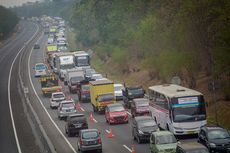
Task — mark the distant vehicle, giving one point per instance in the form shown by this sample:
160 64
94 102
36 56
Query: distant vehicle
142 127
66 108
75 123
89 73
49 84
97 77
82 59
176 108
215 138
140 107
118 91
162 142
116 113
36 46
40 69
129 93
101 94
50 40
191 147
89 139
84 92
56 98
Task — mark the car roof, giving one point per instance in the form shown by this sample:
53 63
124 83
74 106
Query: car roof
191 146
212 127
54 93
140 99
89 130
141 118
76 115
116 104
67 101
162 133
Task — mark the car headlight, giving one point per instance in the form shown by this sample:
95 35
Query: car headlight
212 145
140 132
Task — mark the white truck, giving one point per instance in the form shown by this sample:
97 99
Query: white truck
73 79
63 63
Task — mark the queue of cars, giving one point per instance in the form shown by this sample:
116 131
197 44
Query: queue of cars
170 105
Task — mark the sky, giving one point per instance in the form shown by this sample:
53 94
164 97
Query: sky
11 3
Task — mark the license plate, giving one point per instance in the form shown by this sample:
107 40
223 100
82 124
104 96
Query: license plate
192 132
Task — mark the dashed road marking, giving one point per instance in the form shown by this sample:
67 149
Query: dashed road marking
126 147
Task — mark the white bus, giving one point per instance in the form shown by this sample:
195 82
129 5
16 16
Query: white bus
177 109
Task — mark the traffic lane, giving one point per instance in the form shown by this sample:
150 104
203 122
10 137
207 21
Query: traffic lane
8 52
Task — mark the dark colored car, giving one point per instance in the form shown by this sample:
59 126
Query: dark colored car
116 113
191 147
36 46
142 127
75 123
140 107
89 140
215 138
129 93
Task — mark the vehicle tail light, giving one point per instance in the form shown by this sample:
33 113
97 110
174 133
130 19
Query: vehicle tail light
75 106
99 141
81 142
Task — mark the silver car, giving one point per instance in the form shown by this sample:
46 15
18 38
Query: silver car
56 98
66 108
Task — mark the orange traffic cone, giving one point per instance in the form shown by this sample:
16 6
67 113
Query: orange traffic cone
133 150
110 134
78 106
91 117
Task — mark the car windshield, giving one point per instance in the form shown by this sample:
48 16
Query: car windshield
142 103
58 95
135 91
165 139
218 134
71 104
146 123
67 66
198 151
90 135
116 108
118 88
40 67
105 97
189 111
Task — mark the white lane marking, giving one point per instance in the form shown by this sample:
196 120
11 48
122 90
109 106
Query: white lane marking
108 132
82 109
9 95
95 120
129 113
127 148
29 59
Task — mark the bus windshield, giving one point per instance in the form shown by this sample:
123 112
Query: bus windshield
187 110
82 61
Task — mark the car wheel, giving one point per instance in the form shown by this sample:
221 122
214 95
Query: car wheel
69 134
138 140
66 132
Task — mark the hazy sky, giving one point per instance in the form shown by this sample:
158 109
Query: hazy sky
10 3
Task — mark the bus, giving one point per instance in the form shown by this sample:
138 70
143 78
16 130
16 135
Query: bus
177 109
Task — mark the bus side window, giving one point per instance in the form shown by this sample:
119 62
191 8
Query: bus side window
161 100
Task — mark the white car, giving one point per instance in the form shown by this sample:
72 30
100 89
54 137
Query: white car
40 69
66 108
118 91
56 98
97 77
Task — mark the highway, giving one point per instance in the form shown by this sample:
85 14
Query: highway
15 132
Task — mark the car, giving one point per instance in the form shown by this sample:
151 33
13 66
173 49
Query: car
140 107
97 77
56 98
116 113
75 123
66 108
162 142
142 127
215 138
118 91
36 46
191 147
40 69
89 139
89 72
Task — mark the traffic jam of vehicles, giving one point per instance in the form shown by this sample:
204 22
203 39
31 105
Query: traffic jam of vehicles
157 115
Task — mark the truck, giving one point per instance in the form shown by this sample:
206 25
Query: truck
49 84
84 91
82 59
101 94
73 80
131 92
64 62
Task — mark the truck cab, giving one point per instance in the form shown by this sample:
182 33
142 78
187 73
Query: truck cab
129 93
